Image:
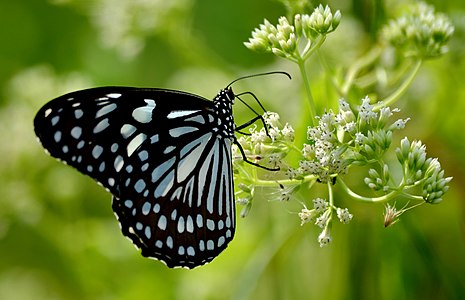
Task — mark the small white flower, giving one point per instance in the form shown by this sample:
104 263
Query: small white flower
306 215
320 205
343 105
243 201
323 220
344 215
326 135
360 138
285 195
327 119
349 127
258 137
291 173
288 132
308 150
275 160
271 118
399 124
313 133
325 237
274 133
366 112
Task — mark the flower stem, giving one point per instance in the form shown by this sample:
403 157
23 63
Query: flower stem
356 196
355 69
311 104
401 90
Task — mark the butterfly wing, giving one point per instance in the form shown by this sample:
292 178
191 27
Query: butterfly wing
180 211
163 157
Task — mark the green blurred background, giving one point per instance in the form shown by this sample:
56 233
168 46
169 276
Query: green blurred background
58 236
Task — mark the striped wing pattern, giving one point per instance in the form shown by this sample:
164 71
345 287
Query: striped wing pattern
164 155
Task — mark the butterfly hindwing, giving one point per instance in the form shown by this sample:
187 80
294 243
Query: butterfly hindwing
164 155
182 210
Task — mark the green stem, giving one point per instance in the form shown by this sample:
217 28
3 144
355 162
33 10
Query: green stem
359 64
331 201
356 196
311 104
402 88
330 193
272 183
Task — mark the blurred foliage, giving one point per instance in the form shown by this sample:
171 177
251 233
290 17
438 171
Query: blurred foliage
58 236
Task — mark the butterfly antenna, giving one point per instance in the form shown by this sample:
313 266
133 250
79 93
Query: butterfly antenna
260 74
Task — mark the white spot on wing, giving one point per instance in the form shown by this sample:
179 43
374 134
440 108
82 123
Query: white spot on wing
210 245
48 112
105 110
97 151
199 221
162 222
180 113
78 113
127 130
102 125
135 143
210 224
139 186
189 224
114 95
181 225
144 114
154 138
146 208
169 242
178 131
76 132
57 136
55 120
148 232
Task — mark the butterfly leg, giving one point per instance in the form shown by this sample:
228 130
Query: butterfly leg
255 97
244 158
248 123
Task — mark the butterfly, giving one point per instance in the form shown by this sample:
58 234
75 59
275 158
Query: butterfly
164 155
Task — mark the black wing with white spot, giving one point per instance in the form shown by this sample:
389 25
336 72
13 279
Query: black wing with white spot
164 155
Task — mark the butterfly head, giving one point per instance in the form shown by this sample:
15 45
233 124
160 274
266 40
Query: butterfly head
225 97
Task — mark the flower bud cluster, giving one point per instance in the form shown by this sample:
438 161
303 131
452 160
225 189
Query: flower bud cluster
418 168
378 182
321 22
283 39
421 33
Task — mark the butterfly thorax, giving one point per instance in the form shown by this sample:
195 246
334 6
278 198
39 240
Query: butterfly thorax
223 109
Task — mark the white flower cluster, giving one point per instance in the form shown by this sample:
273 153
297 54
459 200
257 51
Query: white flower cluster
321 216
270 143
348 136
421 32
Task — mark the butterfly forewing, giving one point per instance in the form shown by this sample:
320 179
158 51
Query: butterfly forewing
164 155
